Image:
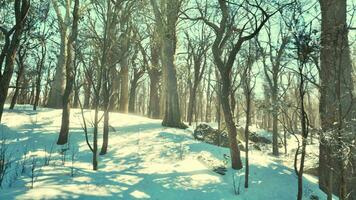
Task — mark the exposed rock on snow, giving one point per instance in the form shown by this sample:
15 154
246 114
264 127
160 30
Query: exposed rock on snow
206 133
254 137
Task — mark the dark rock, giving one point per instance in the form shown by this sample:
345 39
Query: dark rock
206 133
259 139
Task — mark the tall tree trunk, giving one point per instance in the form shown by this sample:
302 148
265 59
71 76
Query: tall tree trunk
114 102
56 93
336 106
191 105
71 49
9 49
76 97
106 95
47 86
87 93
230 124
167 30
39 76
154 107
124 92
248 119
18 84
208 98
275 121
155 76
132 98
172 116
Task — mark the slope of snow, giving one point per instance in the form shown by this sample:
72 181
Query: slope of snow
144 161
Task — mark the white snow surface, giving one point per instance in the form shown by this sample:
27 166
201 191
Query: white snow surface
144 161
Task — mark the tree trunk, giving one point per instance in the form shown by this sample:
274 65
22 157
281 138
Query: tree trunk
76 97
9 50
336 107
124 92
56 93
39 76
87 93
106 95
19 78
230 124
208 98
154 107
191 105
167 31
172 116
248 118
132 99
70 62
275 121
114 102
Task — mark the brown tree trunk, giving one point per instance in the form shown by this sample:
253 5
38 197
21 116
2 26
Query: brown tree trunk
275 113
56 93
336 106
230 124
247 125
154 107
208 98
87 93
19 79
132 98
172 116
55 99
114 102
167 30
39 76
71 49
124 91
8 52
191 105
106 95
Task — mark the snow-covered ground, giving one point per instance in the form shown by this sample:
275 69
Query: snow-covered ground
144 161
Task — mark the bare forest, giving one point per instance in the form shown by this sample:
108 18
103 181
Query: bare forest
178 99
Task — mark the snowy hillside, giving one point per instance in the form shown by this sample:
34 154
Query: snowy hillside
144 161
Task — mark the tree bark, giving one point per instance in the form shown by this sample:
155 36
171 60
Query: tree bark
230 124
9 49
167 30
124 91
132 98
336 106
39 70
56 93
19 78
154 107
55 99
71 49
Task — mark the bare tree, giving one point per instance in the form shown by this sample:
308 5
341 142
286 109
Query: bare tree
138 72
272 71
248 84
197 49
337 108
70 62
154 73
166 18
226 33
8 52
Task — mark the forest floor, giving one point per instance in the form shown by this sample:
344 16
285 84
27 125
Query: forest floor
144 161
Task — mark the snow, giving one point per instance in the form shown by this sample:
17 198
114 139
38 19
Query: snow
144 161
